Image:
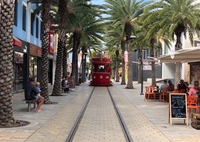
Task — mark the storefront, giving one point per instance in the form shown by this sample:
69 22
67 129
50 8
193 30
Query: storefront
194 71
35 62
20 66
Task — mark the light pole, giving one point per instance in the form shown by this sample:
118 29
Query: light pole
141 63
83 68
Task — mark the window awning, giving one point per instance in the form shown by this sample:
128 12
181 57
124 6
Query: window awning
183 55
16 42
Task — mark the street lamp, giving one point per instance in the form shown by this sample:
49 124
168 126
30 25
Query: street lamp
84 65
141 63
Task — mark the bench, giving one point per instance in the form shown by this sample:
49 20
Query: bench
29 102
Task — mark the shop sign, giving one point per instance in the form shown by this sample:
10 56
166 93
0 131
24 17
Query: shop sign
51 42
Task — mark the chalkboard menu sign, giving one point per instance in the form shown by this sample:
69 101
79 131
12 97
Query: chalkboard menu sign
177 106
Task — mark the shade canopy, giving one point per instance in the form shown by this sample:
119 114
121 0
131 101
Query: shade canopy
183 55
16 42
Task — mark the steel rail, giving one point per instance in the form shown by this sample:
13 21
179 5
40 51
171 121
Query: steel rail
121 120
78 120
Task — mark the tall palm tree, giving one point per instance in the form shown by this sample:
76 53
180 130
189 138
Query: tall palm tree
152 39
177 17
63 17
118 38
45 42
83 25
6 66
126 12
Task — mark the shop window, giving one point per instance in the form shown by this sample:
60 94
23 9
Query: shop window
32 23
18 64
24 18
37 27
16 12
33 67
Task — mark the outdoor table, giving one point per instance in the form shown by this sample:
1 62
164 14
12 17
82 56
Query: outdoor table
198 101
157 91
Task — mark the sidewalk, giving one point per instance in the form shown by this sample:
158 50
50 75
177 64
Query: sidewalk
20 134
157 114
147 121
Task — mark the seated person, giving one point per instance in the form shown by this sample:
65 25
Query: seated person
37 84
170 85
32 93
101 69
163 85
194 90
65 85
182 86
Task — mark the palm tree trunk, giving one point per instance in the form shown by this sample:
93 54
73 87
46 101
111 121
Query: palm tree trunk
64 62
83 64
117 73
153 76
178 64
45 44
76 43
177 74
130 69
6 65
123 63
153 73
63 14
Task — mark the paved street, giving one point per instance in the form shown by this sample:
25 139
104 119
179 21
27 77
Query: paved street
146 121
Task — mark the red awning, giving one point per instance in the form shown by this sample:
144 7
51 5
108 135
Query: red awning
16 42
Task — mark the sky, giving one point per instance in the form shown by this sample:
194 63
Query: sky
98 1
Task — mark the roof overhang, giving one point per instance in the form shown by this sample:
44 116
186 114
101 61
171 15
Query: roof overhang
16 42
183 55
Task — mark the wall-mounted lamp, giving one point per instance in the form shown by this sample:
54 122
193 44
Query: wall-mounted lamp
172 56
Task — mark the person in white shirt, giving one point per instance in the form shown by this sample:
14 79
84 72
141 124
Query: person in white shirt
163 85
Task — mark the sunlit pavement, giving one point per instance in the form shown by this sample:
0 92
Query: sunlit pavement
146 121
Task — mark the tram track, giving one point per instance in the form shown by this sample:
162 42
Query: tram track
118 114
78 120
121 120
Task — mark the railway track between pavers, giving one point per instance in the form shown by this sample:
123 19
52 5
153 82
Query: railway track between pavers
111 120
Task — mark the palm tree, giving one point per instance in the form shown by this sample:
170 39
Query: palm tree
177 17
125 12
45 42
150 38
6 66
117 34
63 15
82 25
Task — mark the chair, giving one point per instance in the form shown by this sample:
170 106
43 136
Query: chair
150 92
192 103
175 91
164 93
182 91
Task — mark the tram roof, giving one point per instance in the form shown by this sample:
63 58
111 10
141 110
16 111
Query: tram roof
101 61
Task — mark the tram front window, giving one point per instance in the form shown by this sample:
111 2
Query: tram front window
101 69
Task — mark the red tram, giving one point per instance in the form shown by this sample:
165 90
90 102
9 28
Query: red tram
101 72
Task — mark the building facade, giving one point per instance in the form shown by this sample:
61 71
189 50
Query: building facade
147 71
27 56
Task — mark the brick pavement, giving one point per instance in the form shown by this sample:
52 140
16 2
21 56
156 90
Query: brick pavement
20 134
100 123
157 114
147 121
